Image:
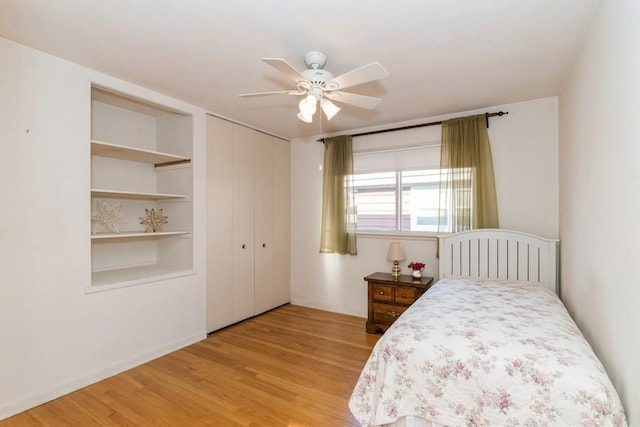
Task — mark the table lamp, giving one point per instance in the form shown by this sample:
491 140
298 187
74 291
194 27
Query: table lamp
395 255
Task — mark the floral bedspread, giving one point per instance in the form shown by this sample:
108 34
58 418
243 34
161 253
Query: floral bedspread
486 354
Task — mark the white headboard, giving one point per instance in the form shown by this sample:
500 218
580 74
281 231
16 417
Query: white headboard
501 255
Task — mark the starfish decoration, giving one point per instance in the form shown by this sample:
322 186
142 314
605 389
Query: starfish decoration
107 217
153 221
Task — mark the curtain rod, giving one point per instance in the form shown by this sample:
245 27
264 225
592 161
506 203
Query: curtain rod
486 116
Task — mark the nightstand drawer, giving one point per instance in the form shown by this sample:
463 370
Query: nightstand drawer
405 295
387 313
383 293
389 296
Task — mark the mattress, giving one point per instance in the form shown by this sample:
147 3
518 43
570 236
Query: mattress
480 353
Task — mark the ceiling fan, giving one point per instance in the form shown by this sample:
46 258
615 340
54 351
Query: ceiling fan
320 86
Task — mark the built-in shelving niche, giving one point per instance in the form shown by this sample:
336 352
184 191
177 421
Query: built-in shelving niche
140 159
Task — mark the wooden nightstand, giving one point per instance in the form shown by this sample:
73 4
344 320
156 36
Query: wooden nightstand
389 298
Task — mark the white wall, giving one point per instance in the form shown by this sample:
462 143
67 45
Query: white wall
600 194
525 151
54 337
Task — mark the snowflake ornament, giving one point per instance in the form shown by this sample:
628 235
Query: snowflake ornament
153 221
107 217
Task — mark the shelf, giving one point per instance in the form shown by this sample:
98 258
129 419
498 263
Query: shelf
131 103
132 276
135 234
106 149
114 194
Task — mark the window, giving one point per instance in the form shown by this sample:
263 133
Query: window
398 200
397 189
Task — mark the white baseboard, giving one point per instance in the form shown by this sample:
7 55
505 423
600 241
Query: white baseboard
327 307
9 409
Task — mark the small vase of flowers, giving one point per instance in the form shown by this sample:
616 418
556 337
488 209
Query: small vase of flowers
416 268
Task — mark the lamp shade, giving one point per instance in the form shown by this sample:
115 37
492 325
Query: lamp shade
307 118
396 252
330 109
308 105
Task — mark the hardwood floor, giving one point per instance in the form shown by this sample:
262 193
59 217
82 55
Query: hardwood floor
292 366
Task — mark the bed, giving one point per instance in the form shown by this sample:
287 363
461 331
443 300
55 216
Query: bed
489 344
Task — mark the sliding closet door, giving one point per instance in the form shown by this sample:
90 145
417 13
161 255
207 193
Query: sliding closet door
281 220
219 217
242 224
263 220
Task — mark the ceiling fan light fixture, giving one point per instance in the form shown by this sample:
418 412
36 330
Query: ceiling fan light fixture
330 109
308 105
307 118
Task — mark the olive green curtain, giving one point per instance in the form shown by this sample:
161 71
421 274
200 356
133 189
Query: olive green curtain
467 186
338 199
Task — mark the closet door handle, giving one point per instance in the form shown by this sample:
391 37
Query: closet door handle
264 245
244 246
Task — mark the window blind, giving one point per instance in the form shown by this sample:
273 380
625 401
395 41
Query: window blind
368 160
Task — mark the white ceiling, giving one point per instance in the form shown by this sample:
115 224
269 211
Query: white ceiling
443 56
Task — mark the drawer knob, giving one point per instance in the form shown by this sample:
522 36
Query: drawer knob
244 246
381 292
393 314
264 245
404 295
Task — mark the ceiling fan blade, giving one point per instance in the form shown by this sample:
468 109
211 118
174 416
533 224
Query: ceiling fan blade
285 68
364 74
277 92
362 101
